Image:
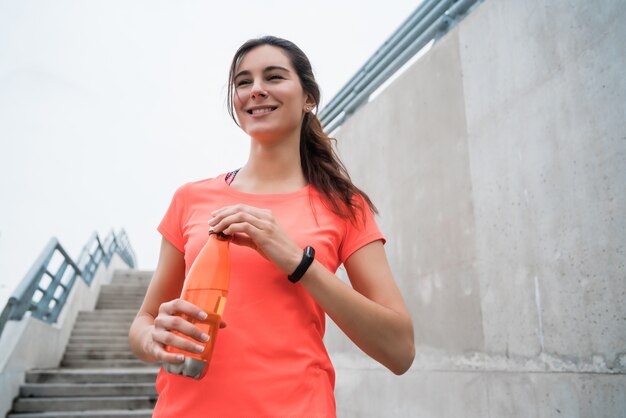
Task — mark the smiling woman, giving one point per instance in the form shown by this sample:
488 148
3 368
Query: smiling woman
294 216
268 96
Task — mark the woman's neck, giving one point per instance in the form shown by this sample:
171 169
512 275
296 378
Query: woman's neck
271 168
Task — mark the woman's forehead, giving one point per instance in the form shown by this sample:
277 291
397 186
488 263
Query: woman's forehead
264 56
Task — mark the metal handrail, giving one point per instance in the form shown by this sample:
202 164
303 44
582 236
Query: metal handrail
429 22
43 293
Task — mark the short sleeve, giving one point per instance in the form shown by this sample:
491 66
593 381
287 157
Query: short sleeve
360 232
171 224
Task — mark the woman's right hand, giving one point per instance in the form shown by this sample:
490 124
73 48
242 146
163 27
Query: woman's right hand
171 317
154 326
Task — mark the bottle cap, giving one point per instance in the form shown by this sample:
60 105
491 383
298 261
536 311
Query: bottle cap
220 235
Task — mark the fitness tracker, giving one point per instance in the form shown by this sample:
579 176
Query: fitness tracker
307 259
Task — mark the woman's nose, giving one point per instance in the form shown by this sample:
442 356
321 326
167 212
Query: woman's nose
258 91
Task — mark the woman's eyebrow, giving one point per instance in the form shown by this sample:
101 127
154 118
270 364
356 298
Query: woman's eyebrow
274 67
265 70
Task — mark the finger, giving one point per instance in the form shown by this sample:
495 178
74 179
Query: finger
159 353
251 231
164 338
232 209
166 357
181 306
244 240
240 218
220 214
180 324
225 211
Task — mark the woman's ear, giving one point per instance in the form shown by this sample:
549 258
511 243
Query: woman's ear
309 104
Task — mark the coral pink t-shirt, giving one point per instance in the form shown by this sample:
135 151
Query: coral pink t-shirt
270 361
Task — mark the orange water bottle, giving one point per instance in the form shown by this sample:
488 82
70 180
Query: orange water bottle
206 286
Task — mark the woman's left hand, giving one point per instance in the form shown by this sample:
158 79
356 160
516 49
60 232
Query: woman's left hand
257 228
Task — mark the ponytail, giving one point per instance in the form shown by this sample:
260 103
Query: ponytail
324 170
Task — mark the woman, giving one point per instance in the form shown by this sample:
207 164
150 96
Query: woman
292 193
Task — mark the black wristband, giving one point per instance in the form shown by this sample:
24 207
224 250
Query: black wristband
307 259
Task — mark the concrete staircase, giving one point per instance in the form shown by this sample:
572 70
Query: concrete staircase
98 376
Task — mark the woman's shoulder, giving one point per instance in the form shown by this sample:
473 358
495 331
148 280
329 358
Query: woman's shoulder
194 188
208 183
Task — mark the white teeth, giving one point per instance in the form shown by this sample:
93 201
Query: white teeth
264 110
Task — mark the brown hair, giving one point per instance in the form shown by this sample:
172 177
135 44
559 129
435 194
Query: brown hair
321 166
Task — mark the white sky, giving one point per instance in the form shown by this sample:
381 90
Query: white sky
106 107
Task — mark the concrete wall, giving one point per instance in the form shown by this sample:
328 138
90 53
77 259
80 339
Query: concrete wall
19 354
498 163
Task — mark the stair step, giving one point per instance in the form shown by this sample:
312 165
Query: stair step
95 348
128 283
129 312
132 274
109 320
104 317
138 413
109 315
118 304
131 280
125 375
99 355
98 342
97 364
113 298
128 293
87 389
118 331
102 324
123 290
83 403
100 331
119 308
98 338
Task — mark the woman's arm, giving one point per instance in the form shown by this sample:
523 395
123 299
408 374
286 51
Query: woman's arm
159 313
371 313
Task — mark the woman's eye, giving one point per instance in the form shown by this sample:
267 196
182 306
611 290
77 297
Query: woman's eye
275 77
242 82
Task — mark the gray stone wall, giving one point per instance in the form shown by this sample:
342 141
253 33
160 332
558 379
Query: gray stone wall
498 164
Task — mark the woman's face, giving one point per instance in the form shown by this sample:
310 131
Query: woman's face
268 98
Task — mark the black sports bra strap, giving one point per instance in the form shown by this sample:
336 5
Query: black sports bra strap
231 176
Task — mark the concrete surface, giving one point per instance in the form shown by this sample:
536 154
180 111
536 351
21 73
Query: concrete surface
498 164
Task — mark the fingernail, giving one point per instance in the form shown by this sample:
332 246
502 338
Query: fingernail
202 316
211 221
180 357
199 348
204 337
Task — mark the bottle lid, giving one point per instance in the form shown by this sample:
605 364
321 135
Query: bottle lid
220 235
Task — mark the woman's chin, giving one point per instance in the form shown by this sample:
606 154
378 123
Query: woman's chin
269 135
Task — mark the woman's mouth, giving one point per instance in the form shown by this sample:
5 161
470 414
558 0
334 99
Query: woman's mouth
262 110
